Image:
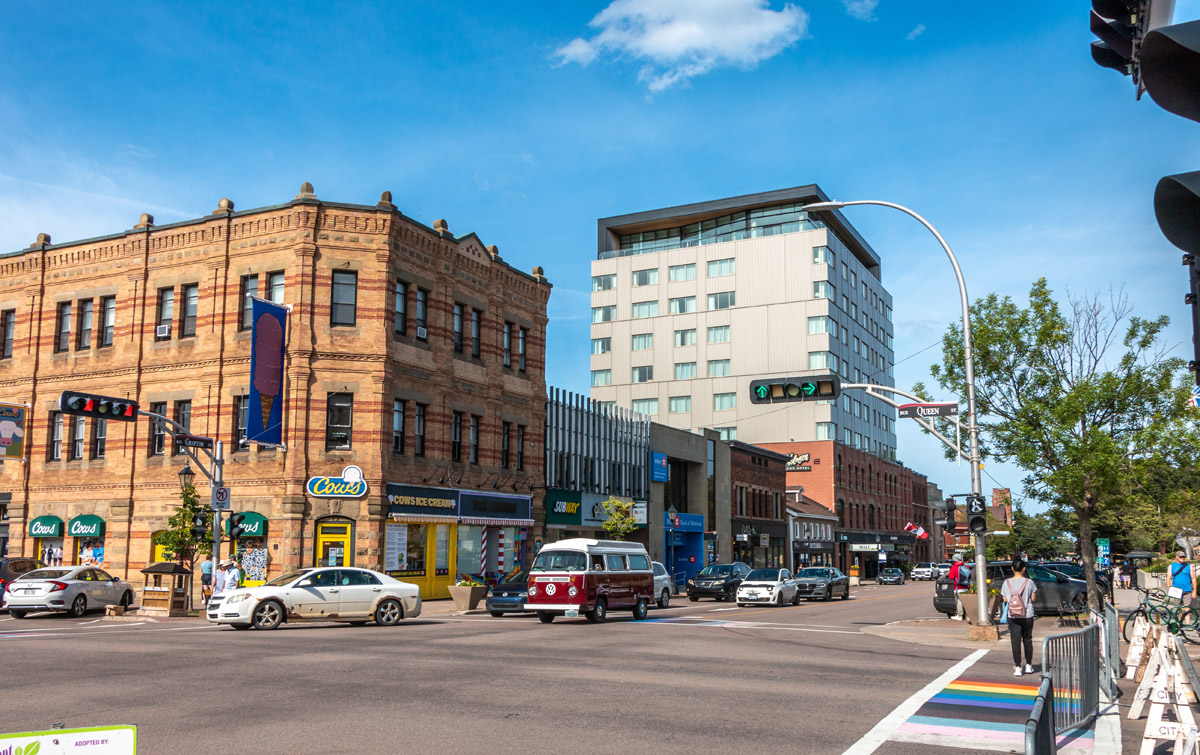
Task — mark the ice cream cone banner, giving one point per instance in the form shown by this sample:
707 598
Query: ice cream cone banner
265 404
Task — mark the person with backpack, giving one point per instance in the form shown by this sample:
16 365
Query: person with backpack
960 577
1018 593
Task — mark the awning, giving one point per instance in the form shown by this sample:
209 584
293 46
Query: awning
253 525
422 519
86 525
496 522
46 526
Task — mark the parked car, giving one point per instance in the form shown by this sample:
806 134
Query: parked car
943 570
1075 571
581 576
330 594
509 596
11 568
74 589
945 598
890 576
664 585
774 586
718 581
822 582
925 570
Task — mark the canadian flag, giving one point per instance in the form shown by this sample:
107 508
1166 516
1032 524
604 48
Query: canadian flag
918 531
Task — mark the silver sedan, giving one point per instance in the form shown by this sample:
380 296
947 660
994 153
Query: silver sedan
74 589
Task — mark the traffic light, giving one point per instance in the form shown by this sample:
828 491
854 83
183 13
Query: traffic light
948 524
100 407
1124 28
976 514
811 388
235 524
199 526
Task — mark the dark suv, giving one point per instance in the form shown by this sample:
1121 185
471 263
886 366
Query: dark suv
718 581
11 568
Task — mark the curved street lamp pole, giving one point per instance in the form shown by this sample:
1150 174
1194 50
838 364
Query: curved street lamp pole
985 618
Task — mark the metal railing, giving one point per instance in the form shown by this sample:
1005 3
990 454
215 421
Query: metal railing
1110 647
1185 661
1039 729
1072 660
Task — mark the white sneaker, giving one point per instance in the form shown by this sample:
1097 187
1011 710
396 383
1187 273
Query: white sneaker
1029 669
1016 670
956 617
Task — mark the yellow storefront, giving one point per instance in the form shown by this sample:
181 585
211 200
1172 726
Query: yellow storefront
421 538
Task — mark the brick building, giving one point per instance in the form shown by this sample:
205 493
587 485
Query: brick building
873 499
757 505
413 354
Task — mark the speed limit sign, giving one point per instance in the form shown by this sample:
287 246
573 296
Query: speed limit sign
220 499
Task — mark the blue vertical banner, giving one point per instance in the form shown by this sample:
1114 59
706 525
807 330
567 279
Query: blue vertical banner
268 335
658 468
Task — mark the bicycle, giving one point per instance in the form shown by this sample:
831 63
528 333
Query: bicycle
1154 608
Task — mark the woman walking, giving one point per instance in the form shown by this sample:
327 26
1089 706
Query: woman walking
1018 593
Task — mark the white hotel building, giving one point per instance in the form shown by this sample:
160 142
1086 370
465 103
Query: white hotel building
692 303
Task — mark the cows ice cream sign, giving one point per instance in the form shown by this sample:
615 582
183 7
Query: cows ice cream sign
268 336
350 485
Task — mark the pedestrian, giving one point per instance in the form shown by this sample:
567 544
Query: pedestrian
220 577
57 555
1183 579
1018 593
1126 573
960 577
233 577
206 578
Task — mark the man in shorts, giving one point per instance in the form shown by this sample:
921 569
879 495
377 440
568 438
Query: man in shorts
206 572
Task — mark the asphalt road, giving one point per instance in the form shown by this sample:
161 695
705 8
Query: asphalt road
697 677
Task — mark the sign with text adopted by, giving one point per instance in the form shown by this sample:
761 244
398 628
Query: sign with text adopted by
95 740
932 409
13 418
220 499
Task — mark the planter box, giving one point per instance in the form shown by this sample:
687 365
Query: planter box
971 606
467 598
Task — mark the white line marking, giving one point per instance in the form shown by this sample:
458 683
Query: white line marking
119 626
892 721
742 625
93 621
735 608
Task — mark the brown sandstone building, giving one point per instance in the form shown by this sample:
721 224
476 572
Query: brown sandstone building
413 354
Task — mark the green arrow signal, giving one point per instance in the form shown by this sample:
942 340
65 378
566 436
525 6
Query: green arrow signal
761 391
810 389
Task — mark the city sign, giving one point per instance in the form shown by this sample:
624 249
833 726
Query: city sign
933 409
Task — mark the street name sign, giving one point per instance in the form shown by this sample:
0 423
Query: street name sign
193 441
935 409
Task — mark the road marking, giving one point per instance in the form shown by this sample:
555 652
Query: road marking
735 608
892 721
117 626
93 621
711 624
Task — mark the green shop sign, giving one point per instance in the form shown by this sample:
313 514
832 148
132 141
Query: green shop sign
87 525
563 507
46 526
253 525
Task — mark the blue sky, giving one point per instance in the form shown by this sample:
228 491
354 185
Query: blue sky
525 122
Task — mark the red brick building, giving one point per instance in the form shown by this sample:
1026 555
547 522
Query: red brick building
758 516
413 354
873 499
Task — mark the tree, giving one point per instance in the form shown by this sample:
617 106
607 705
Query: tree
178 538
620 521
1078 399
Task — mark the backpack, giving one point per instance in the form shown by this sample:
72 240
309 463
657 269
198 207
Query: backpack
964 575
1016 603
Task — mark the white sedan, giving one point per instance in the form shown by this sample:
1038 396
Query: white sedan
74 589
773 586
332 594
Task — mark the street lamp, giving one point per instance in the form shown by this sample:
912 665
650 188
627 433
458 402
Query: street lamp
671 514
186 475
969 374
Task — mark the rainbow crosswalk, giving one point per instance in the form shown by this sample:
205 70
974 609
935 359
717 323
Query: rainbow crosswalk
981 714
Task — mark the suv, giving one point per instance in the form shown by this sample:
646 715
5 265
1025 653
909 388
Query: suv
925 570
11 568
664 585
718 581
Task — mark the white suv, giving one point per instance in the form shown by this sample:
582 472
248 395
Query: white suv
925 570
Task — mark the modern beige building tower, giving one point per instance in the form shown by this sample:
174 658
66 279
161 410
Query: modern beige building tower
692 303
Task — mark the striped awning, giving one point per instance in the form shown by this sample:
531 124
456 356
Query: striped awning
423 519
487 522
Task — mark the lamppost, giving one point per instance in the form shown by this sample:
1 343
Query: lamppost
186 475
969 374
671 514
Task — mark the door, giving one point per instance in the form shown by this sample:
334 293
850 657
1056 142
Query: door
318 595
359 591
106 588
620 591
333 544
1050 592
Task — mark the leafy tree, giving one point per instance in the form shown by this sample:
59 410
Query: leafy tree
620 521
178 538
1078 398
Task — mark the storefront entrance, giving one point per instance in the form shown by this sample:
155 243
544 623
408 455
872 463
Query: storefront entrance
334 543
421 538
88 533
684 546
47 534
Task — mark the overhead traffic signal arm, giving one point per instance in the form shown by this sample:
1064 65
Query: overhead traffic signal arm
811 388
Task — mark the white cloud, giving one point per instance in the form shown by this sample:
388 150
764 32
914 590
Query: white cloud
864 10
679 39
916 32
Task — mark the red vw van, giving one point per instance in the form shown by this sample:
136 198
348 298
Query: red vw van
590 577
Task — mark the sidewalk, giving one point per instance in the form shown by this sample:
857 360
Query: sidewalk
985 707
